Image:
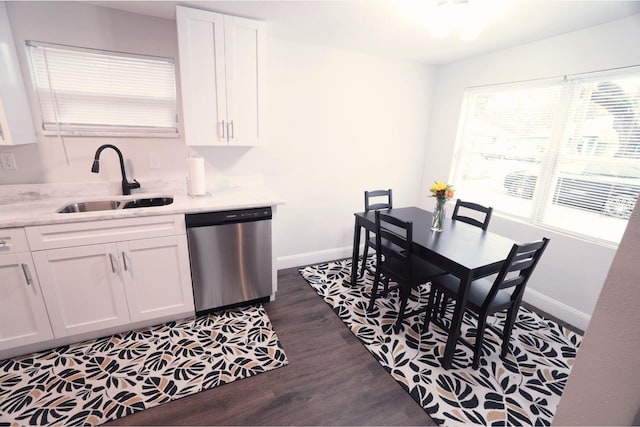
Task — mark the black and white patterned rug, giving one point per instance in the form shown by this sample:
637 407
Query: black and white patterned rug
523 390
100 380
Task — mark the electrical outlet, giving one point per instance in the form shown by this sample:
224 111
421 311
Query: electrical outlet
154 161
8 161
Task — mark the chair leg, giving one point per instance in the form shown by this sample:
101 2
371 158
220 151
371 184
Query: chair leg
477 349
404 296
431 307
374 290
508 325
364 259
442 302
385 282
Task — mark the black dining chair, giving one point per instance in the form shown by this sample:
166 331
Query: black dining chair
472 213
373 201
486 298
396 262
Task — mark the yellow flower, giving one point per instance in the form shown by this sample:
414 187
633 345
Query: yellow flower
438 186
441 190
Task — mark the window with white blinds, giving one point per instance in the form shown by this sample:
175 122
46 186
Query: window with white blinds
563 154
87 92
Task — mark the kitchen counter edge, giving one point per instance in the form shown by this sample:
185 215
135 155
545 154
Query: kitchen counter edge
43 212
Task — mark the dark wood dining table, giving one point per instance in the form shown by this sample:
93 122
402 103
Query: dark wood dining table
466 251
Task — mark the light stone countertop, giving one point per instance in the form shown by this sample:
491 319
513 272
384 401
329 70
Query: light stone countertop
38 207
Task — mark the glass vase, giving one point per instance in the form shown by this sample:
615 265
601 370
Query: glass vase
438 214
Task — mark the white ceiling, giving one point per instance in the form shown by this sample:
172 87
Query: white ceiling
378 26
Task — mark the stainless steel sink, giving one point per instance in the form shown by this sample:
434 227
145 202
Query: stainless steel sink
147 202
108 205
102 205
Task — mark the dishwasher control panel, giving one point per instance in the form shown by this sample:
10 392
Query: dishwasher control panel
227 217
245 215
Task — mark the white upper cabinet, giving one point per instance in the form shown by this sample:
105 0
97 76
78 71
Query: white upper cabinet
222 68
16 125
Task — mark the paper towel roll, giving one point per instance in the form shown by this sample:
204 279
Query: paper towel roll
197 181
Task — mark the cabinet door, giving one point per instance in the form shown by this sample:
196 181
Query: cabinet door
157 277
245 70
82 288
16 125
202 76
23 315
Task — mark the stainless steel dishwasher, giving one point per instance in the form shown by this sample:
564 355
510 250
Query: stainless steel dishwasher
230 255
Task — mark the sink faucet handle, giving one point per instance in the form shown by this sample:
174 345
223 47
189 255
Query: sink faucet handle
131 185
127 186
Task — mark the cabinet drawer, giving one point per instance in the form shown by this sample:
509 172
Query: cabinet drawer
103 231
13 240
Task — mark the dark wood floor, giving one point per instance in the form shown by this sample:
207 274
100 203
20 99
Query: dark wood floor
331 378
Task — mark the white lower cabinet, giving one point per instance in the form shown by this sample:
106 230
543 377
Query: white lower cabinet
23 315
83 288
157 276
96 278
101 286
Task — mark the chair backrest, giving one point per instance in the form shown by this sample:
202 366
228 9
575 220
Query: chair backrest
383 200
482 214
393 241
517 269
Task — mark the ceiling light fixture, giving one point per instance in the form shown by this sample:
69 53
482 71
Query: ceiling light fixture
446 17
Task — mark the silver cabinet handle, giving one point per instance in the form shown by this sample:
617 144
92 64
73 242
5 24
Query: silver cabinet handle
27 274
124 261
230 130
114 262
223 129
4 244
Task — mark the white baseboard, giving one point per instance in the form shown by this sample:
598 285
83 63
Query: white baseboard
309 258
562 311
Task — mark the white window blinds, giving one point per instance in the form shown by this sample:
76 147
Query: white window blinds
102 93
563 154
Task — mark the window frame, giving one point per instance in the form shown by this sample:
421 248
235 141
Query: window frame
550 166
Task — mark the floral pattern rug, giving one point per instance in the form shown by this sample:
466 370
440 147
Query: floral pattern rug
100 380
523 390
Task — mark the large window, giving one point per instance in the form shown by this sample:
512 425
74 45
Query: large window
563 154
102 93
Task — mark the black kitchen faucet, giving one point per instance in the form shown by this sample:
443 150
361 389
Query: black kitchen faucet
126 185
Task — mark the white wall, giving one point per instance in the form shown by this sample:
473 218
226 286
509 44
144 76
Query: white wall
570 275
338 123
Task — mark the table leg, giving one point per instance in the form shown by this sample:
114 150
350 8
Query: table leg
353 279
456 322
